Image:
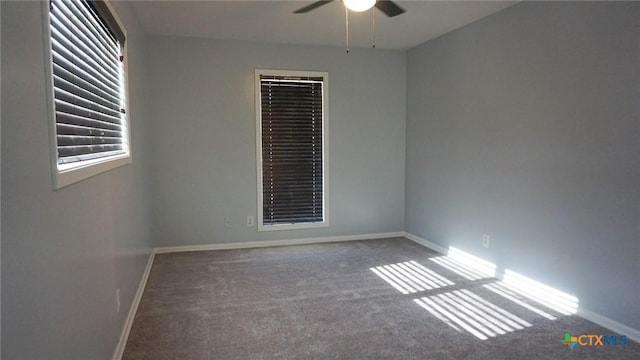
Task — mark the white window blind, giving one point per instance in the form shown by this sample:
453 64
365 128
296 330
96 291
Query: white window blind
292 148
88 82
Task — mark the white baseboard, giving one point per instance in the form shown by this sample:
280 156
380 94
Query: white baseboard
124 336
257 244
613 325
426 243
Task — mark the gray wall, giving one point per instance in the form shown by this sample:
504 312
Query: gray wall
525 125
65 252
204 137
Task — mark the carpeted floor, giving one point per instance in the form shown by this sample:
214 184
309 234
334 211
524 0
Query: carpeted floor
324 302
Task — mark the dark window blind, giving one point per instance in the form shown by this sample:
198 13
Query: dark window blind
87 82
292 154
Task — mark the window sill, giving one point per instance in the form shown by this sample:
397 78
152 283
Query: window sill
87 169
292 226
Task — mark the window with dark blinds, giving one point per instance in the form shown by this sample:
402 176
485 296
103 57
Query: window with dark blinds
292 148
88 82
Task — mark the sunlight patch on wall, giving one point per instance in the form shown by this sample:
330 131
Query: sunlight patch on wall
410 277
468 266
462 309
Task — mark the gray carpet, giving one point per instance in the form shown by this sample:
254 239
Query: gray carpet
323 302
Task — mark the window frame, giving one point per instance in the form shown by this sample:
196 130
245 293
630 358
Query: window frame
67 174
325 148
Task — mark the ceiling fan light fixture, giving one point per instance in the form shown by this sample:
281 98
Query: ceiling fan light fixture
359 5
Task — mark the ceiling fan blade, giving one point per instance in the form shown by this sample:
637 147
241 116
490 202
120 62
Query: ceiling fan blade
389 8
312 6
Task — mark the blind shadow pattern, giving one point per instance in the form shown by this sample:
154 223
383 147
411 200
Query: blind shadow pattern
411 277
472 313
466 265
465 310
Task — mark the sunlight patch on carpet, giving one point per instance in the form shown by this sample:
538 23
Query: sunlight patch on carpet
410 277
517 288
466 265
517 299
464 310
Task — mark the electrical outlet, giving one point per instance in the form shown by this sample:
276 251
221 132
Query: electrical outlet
227 223
118 300
249 221
485 240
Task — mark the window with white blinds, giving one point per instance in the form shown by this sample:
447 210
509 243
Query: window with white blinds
88 80
292 189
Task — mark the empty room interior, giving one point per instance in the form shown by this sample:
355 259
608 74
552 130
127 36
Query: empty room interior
305 180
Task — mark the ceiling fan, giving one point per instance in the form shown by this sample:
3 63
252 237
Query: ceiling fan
389 8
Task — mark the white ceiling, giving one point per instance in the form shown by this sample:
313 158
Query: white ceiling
273 21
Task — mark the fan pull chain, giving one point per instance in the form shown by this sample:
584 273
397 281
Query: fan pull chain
346 12
373 27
